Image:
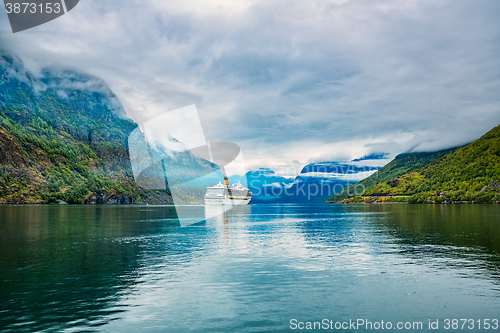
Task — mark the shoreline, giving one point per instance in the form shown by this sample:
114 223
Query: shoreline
416 203
86 204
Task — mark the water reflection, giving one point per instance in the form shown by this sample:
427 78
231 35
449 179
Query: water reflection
463 237
65 266
459 225
249 269
460 236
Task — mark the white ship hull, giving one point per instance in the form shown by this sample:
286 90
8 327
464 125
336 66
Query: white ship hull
226 195
226 201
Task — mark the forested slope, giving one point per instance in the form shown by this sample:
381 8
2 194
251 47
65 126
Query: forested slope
469 174
63 136
402 164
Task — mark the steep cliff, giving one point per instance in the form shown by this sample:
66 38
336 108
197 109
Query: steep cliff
63 137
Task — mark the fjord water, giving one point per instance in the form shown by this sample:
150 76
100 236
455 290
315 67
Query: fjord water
253 269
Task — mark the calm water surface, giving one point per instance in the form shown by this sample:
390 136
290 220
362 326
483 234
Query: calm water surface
134 269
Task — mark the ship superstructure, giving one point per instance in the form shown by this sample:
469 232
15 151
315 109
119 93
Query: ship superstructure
225 194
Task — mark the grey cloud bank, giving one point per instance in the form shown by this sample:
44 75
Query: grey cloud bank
291 81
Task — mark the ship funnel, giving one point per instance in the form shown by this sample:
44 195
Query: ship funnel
226 180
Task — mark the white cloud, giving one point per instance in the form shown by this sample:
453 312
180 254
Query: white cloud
292 81
342 176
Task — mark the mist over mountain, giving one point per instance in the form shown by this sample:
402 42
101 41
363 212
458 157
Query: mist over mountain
63 137
315 182
470 173
373 156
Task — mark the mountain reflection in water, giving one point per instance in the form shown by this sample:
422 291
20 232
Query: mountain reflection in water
251 269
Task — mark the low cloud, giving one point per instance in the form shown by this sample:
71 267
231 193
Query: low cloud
291 82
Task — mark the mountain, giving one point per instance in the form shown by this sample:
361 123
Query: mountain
467 174
373 156
265 185
315 182
318 181
63 137
402 164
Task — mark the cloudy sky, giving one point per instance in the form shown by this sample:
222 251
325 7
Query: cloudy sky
291 81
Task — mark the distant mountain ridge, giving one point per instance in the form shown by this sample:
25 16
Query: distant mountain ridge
315 182
373 156
402 164
63 138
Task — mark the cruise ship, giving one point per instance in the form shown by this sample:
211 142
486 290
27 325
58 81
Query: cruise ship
228 195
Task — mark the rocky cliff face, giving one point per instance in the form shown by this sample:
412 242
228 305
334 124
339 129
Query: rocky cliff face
63 136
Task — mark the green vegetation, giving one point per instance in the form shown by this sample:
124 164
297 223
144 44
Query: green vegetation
43 163
63 137
464 175
402 164
404 185
377 199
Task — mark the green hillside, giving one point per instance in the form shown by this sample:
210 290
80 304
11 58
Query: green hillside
63 136
464 174
402 164
471 174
